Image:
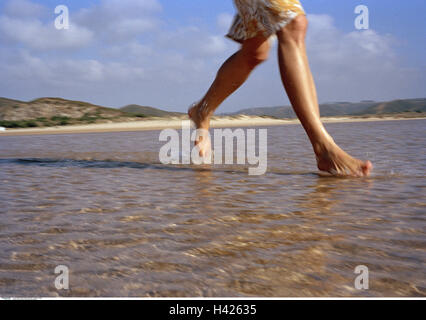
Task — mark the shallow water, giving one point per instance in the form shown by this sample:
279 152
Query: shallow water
127 225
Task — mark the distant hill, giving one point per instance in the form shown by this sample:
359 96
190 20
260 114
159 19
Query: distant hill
4 102
148 111
56 111
397 106
344 109
46 112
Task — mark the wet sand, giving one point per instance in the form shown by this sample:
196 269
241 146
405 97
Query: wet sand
126 225
176 123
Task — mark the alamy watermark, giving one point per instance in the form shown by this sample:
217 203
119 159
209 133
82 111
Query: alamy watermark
180 149
63 279
362 21
362 281
62 21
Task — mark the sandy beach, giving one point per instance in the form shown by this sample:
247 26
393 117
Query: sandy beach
176 123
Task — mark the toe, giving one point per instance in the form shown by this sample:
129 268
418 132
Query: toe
367 167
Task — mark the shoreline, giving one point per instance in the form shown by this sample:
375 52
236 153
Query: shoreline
176 123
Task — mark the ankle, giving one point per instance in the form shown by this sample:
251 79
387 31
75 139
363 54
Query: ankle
324 146
204 109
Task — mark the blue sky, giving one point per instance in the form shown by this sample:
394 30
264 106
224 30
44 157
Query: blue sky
406 22
165 53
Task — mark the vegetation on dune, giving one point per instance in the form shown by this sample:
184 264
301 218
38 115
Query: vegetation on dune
49 112
18 124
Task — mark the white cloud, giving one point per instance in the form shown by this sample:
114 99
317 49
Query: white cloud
355 65
33 34
214 45
134 26
131 50
69 72
120 20
24 9
132 7
132 55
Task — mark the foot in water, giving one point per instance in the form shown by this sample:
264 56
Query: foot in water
199 115
337 162
331 159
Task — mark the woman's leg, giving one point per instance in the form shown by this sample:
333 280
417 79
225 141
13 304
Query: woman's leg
300 87
233 73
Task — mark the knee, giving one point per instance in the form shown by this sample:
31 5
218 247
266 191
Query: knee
257 56
295 31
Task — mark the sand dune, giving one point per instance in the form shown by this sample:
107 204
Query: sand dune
176 123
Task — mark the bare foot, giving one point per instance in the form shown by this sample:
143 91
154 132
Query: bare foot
198 113
336 161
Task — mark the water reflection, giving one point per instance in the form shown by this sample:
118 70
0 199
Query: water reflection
127 225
